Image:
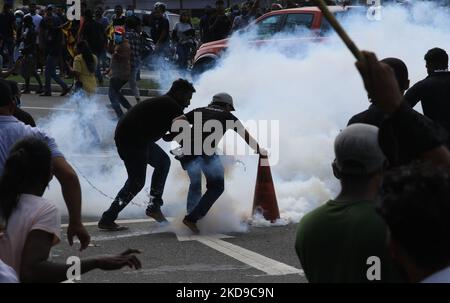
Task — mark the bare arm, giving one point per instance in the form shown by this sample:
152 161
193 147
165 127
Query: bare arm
244 133
71 190
36 268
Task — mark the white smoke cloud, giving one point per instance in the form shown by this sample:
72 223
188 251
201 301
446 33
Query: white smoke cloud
313 92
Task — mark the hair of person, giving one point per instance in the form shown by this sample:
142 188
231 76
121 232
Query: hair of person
6 96
400 70
118 6
88 14
130 22
13 87
86 53
415 204
437 58
181 85
27 166
28 20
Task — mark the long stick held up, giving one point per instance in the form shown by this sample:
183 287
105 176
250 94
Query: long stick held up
339 30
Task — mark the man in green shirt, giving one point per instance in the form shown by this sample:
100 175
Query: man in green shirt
344 240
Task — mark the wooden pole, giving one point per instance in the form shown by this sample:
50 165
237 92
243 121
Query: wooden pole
339 30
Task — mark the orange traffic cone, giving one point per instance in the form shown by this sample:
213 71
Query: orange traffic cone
265 199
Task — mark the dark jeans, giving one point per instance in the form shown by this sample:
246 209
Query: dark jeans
183 51
211 166
136 160
8 44
101 57
50 73
116 97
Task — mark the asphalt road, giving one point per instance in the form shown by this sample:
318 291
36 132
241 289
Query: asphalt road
263 254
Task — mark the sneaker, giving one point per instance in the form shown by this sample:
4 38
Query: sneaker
25 91
111 226
39 91
156 214
45 94
65 92
192 226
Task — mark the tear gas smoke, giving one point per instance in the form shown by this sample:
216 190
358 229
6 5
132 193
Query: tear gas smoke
312 92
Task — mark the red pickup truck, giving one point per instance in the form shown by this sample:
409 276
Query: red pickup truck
266 26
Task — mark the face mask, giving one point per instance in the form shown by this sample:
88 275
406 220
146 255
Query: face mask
18 20
129 13
118 39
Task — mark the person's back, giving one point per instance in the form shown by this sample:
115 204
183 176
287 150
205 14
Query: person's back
434 91
374 115
434 94
200 116
147 122
31 213
335 241
94 34
120 62
86 76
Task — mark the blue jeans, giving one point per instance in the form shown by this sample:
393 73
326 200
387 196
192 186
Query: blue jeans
50 73
136 160
133 82
101 57
116 97
211 166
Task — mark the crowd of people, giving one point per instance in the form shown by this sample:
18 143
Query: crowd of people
393 163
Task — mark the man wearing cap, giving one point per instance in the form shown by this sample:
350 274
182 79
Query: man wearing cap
199 154
120 71
12 130
335 241
135 137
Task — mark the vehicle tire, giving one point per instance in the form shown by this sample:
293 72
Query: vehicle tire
202 66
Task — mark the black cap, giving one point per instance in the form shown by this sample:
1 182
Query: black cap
6 97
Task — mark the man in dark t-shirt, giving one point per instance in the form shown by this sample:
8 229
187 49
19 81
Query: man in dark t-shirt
209 125
159 30
136 135
374 115
434 91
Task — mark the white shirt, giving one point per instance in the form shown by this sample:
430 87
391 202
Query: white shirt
442 276
32 213
7 274
12 130
36 20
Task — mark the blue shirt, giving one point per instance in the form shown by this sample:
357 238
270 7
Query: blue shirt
12 130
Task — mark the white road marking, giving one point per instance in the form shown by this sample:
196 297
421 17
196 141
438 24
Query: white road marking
183 238
119 222
269 266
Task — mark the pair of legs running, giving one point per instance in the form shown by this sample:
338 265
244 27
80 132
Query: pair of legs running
136 161
198 205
